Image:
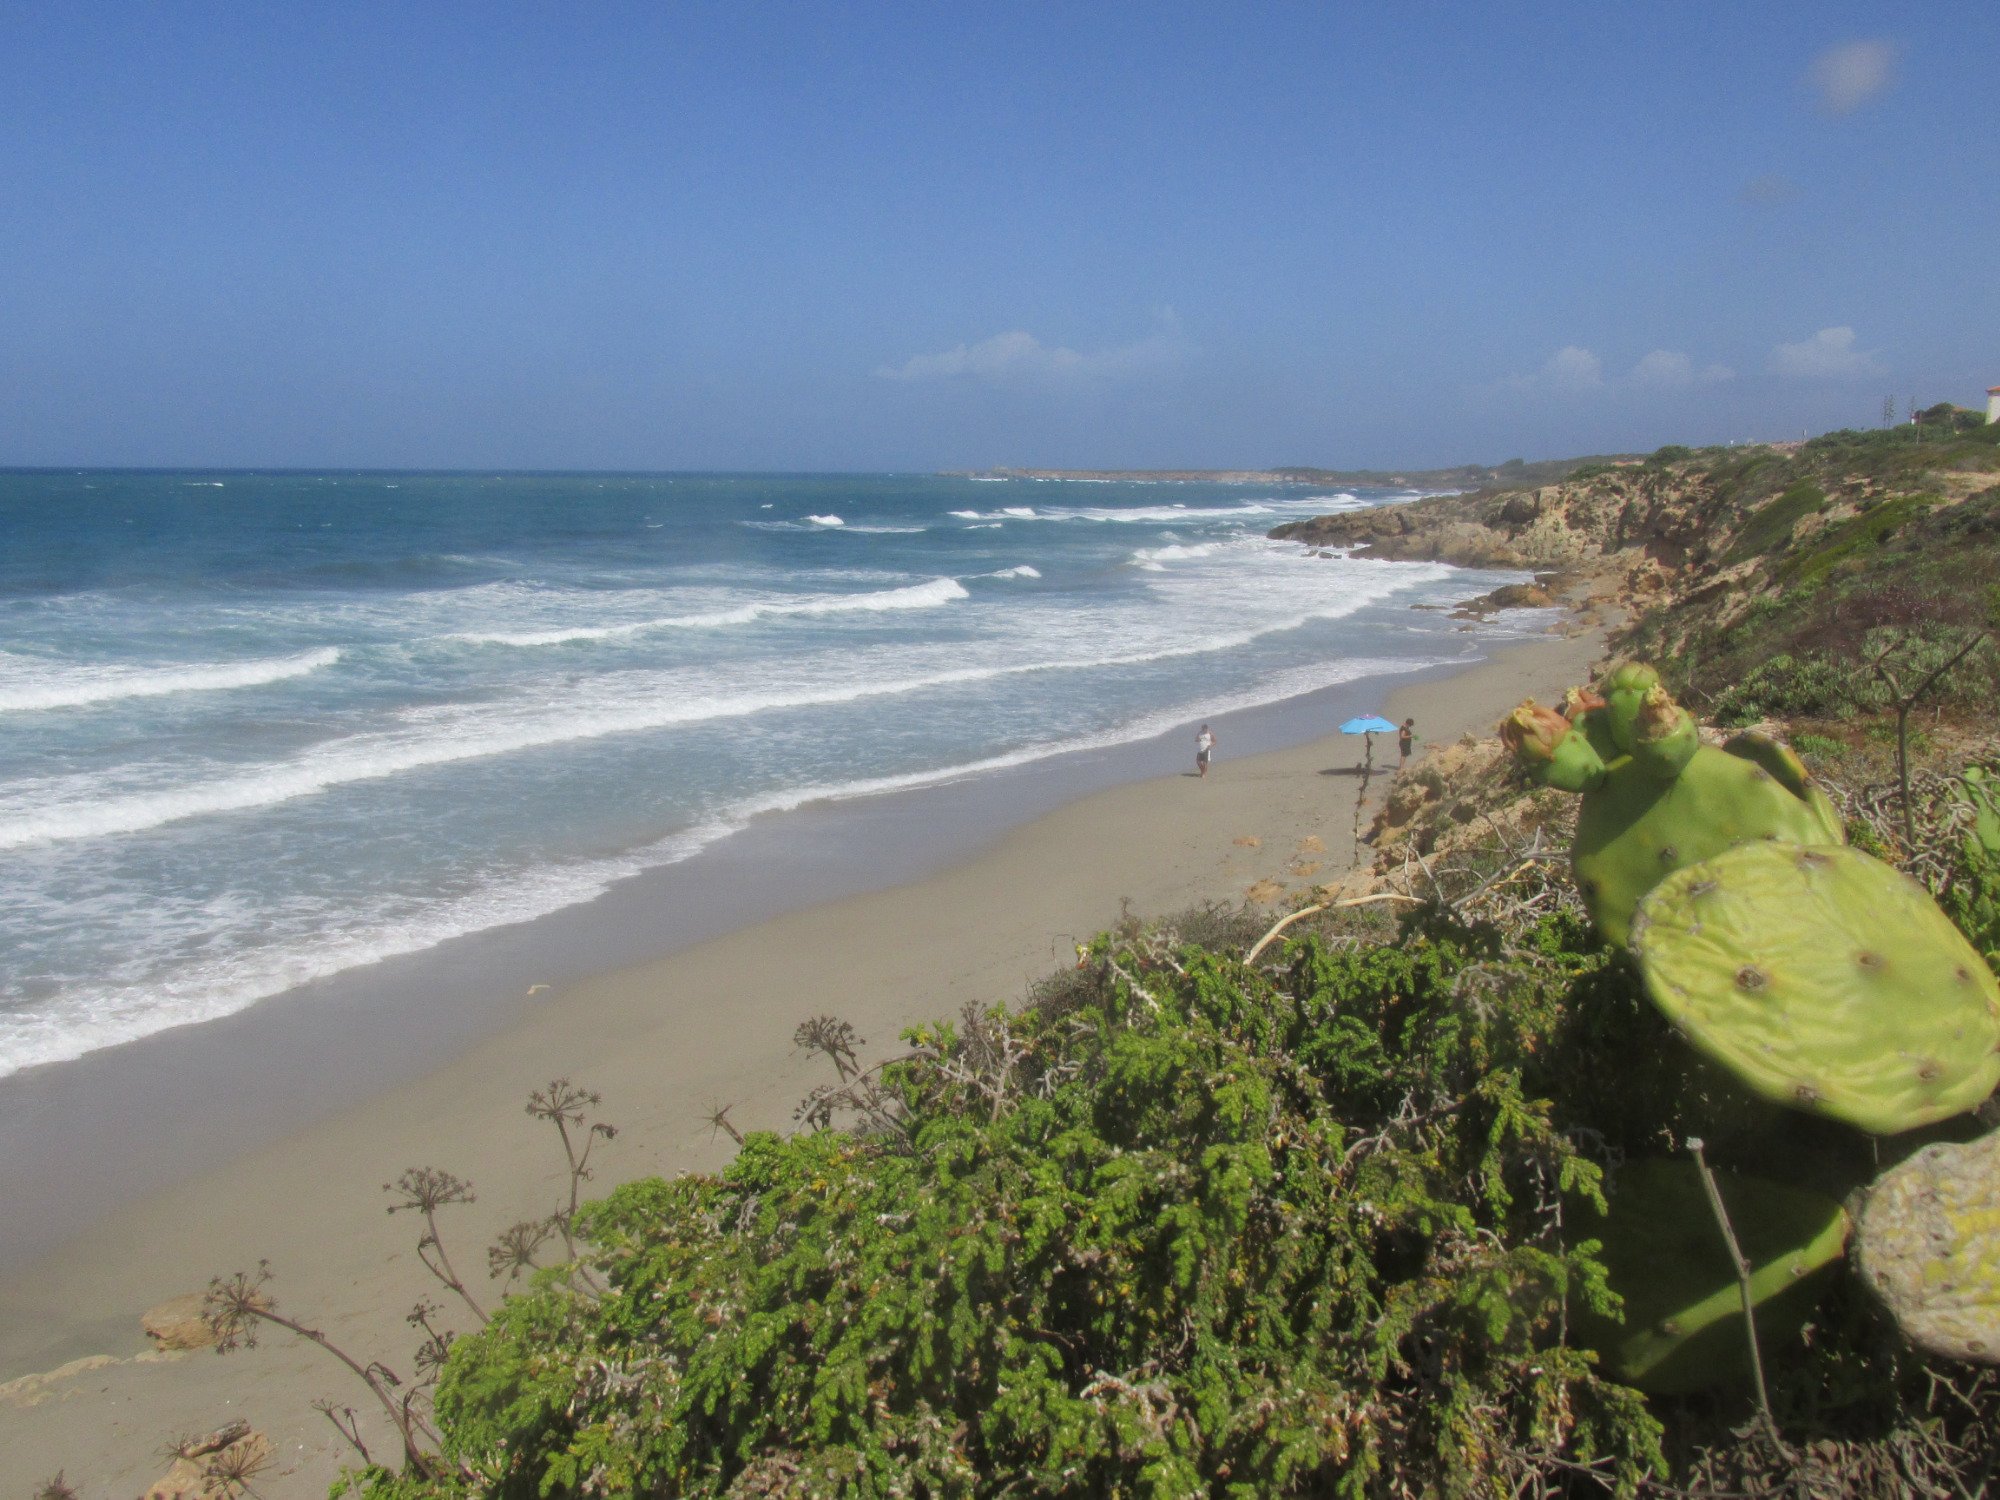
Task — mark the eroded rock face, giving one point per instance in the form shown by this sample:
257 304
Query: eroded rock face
1928 1244
1555 526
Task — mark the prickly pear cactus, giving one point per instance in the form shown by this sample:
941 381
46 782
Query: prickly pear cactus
1655 799
1664 1255
1928 1244
1634 827
1826 980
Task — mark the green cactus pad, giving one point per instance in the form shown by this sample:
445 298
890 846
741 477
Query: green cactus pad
1928 1243
1826 980
1664 1255
1634 828
1785 768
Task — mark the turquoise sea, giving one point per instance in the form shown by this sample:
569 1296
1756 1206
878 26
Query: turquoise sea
261 728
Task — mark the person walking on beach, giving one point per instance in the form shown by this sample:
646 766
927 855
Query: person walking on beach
1406 734
1204 748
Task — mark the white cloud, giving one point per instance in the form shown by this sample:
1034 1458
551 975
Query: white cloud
1828 355
1667 369
1019 356
1570 368
1848 76
1574 370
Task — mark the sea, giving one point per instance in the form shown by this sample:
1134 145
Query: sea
258 729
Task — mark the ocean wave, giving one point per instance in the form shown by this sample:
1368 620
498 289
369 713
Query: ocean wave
1023 570
75 687
109 1014
453 735
143 1005
938 591
1155 558
824 521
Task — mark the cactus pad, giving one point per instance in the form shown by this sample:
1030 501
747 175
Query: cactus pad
1928 1243
1664 1255
1826 980
1785 768
1634 828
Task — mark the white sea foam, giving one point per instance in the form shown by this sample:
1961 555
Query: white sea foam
938 591
30 684
140 1005
1156 558
60 810
1024 570
825 521
110 1014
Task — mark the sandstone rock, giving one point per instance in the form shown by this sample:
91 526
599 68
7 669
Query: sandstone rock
177 1324
1928 1244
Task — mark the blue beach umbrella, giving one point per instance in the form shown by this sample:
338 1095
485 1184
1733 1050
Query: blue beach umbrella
1368 724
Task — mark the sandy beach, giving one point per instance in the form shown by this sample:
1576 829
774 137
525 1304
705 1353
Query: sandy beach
664 1042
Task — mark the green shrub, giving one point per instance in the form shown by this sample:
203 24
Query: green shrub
1210 1231
1818 746
1771 524
1854 538
1788 687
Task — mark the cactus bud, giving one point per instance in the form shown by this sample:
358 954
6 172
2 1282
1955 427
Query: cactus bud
1663 734
1579 701
1625 689
1542 742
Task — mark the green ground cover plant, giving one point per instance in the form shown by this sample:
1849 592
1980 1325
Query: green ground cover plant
1325 1225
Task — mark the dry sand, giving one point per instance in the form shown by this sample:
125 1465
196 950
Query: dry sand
663 1043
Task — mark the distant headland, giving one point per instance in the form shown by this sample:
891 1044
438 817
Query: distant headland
1513 473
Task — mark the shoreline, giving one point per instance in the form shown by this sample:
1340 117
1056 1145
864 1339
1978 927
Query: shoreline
665 1041
87 1135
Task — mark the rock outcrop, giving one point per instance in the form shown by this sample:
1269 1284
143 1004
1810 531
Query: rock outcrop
178 1324
1658 512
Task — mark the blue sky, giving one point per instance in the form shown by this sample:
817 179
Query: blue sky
885 236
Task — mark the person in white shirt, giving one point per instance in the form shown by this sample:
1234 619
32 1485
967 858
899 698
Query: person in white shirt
1204 750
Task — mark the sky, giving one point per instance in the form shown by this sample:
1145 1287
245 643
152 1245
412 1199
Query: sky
895 237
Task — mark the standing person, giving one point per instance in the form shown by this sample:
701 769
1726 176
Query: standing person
1204 748
1406 735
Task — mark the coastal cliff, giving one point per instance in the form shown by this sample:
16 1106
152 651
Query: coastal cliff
1817 543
